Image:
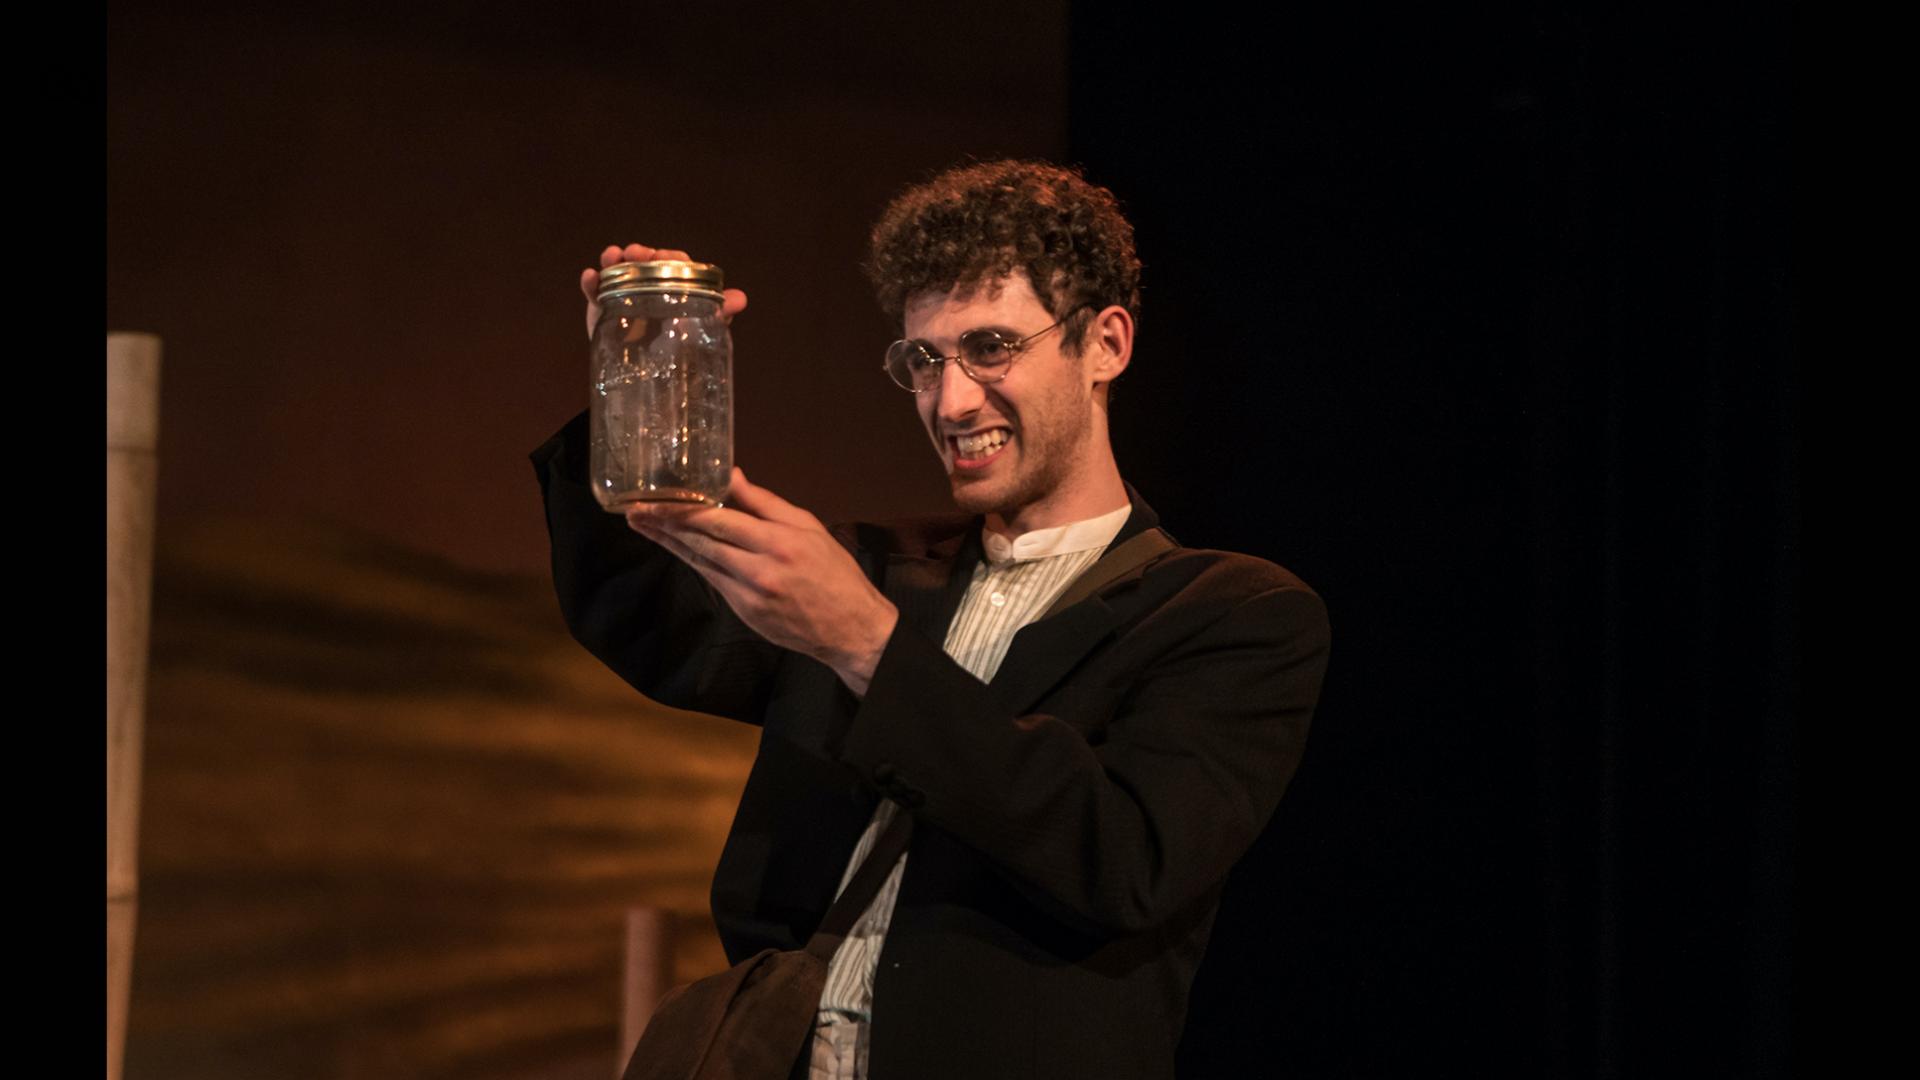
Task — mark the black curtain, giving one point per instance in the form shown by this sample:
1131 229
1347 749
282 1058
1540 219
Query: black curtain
1481 319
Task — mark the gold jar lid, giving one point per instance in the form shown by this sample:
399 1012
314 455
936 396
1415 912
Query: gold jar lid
661 275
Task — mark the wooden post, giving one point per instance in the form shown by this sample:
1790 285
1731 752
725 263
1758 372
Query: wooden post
133 428
649 966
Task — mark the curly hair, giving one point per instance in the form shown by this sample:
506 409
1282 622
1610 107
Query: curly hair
979 222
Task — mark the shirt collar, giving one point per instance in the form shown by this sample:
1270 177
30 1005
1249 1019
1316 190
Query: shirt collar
1066 539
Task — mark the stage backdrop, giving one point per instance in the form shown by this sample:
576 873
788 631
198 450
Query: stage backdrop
1479 319
393 813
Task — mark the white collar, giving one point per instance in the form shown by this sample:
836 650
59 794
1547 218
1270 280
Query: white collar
1060 540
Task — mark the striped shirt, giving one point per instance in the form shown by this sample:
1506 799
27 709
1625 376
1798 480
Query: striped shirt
1019 579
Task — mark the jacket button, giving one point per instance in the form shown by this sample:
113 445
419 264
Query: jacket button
883 774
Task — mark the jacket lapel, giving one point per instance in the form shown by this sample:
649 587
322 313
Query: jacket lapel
1043 652
927 588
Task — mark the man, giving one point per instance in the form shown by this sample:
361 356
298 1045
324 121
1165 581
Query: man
1080 781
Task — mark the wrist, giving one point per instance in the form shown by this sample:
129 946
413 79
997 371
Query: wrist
856 666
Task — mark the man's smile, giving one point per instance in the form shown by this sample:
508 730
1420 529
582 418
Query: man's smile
974 449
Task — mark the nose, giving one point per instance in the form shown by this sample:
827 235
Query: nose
960 396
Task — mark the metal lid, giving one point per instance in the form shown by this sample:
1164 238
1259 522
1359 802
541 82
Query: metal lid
661 275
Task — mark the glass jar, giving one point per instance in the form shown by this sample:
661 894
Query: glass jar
662 386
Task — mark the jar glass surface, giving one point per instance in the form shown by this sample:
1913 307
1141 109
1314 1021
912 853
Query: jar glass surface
662 399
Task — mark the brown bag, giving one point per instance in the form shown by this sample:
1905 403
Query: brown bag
751 1021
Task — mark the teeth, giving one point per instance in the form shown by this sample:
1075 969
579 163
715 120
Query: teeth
974 445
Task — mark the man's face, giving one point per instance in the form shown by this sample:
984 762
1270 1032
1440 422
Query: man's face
1013 447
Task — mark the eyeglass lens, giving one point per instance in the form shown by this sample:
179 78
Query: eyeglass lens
985 352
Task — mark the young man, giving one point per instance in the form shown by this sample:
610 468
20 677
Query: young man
1080 780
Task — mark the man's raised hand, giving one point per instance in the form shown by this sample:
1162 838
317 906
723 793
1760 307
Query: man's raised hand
782 573
734 303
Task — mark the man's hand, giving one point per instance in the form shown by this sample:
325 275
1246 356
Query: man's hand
734 304
782 573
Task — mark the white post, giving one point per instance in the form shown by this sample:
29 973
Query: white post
649 965
133 428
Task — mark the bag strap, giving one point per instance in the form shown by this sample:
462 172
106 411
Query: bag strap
1137 551
853 900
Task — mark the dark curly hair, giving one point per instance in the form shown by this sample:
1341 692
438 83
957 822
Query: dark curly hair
979 222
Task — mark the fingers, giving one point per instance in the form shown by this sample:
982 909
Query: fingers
733 301
647 527
590 288
726 526
726 581
762 503
614 253
696 550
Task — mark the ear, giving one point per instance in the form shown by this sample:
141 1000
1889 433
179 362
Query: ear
1109 344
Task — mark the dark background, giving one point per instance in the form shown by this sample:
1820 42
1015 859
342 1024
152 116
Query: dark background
1486 317
1479 320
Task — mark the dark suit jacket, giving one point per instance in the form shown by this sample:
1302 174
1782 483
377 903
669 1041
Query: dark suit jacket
1075 819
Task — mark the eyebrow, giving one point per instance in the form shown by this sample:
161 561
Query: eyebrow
1012 334
1007 332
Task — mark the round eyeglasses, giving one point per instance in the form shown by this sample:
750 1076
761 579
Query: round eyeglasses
986 355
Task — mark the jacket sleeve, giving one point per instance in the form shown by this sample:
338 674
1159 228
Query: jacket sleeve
1124 830
648 617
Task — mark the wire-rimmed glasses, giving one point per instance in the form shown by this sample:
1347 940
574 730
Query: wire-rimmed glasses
986 355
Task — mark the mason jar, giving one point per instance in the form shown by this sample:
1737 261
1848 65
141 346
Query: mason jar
662 386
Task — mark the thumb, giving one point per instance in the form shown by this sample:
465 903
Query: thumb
589 287
762 503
